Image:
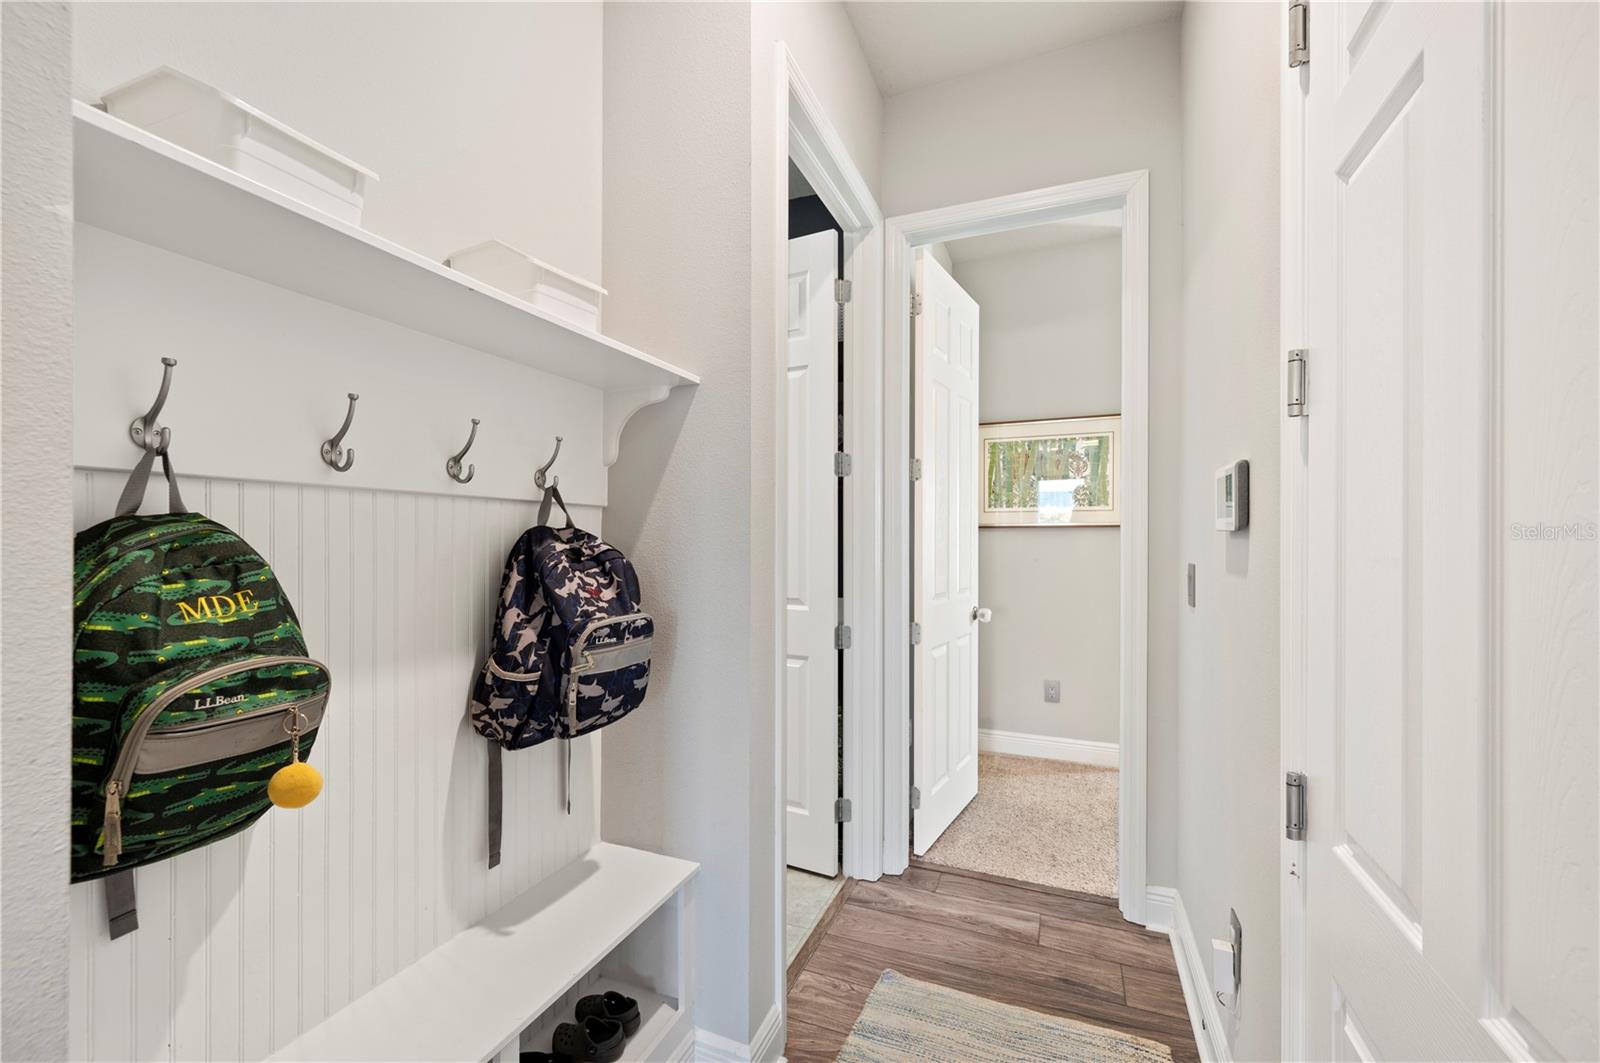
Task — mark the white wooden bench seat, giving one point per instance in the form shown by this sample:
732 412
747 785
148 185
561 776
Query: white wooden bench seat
471 998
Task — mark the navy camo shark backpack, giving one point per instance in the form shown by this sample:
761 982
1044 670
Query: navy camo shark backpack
570 649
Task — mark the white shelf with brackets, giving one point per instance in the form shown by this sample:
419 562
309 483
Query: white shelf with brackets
148 191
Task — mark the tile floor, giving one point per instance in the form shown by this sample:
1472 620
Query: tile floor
806 897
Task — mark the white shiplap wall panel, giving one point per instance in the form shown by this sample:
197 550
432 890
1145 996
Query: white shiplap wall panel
248 942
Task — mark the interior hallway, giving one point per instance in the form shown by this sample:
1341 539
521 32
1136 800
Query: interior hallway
1051 951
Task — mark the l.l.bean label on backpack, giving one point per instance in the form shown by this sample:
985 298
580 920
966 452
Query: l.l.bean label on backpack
217 607
218 702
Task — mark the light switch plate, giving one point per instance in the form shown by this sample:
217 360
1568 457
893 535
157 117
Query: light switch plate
1222 962
1052 691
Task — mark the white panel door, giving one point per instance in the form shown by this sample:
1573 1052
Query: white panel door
944 663
811 664
1404 609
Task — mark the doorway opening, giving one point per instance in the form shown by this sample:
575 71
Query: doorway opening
830 517
1016 436
813 569
923 567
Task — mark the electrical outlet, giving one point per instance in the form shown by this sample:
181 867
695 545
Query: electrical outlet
1052 691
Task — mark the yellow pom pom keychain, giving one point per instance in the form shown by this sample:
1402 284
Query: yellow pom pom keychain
296 784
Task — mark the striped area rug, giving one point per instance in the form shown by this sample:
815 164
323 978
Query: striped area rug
905 1019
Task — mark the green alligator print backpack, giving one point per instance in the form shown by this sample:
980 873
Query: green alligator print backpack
189 677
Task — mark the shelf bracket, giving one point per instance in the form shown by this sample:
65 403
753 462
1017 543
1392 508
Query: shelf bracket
620 406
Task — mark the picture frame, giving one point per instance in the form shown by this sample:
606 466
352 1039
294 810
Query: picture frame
1058 473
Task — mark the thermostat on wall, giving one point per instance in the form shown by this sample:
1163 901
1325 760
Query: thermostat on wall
1233 497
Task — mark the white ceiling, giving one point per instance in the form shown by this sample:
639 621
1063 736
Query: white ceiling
1037 237
909 45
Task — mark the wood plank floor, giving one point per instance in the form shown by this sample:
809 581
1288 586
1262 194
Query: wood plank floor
1049 950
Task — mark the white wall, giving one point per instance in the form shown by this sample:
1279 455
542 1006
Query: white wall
1051 342
1103 107
481 120
35 526
1230 792
687 503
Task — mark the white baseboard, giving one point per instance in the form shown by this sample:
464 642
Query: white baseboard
1159 905
1205 1013
683 1051
714 1048
768 1044
1099 754
764 1048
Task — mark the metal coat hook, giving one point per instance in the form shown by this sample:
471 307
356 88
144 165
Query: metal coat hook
539 475
452 467
144 430
333 451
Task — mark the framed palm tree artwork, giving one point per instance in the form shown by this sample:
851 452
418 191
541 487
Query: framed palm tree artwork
1050 474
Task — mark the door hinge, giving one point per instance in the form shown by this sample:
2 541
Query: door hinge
1299 33
841 810
916 798
841 290
841 463
916 303
1296 383
916 633
841 637
916 469
1294 806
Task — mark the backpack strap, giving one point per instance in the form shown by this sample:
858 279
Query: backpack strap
544 506
133 491
122 908
497 799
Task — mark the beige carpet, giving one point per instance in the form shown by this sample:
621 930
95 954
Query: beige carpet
908 1020
1044 821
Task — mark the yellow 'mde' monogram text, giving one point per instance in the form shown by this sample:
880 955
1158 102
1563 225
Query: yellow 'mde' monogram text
218 606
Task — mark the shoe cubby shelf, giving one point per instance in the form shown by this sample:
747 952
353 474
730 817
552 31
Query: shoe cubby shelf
137 185
617 918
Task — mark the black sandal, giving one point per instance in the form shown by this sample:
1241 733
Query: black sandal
594 1040
611 1005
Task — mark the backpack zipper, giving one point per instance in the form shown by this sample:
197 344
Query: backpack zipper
122 767
582 669
113 825
590 659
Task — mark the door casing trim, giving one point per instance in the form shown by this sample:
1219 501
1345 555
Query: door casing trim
806 135
1129 192
820 154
